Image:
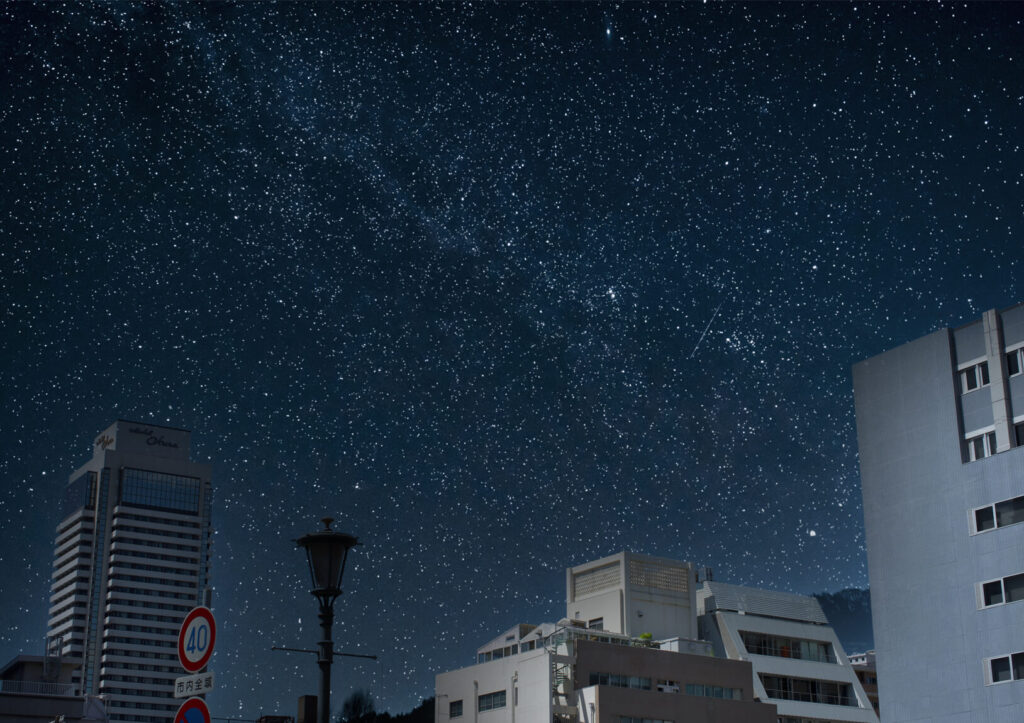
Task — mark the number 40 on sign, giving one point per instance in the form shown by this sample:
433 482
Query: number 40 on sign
196 639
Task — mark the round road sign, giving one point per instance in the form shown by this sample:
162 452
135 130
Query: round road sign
193 710
196 638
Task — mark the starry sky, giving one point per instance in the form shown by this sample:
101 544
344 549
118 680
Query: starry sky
504 288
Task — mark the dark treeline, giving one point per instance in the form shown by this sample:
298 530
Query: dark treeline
360 708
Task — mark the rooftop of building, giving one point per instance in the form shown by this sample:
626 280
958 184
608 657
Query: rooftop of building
713 596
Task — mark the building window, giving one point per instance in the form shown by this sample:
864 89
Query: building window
491 701
620 681
631 719
807 690
596 624
1001 514
1006 668
779 647
981 446
714 691
1018 434
973 377
1007 590
455 709
1015 362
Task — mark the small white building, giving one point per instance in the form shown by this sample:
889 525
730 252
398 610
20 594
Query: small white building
798 662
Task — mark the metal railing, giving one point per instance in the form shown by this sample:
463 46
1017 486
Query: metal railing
779 694
37 688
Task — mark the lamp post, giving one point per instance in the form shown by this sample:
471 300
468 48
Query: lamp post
326 552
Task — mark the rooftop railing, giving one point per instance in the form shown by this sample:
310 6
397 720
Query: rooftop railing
37 688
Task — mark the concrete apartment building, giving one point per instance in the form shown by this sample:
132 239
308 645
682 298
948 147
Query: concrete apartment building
798 662
628 651
132 557
940 426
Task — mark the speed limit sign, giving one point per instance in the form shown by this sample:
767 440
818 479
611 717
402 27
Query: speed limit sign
196 638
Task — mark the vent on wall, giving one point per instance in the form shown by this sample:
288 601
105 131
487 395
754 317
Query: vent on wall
592 581
658 576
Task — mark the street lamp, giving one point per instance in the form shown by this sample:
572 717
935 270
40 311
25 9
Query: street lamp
326 551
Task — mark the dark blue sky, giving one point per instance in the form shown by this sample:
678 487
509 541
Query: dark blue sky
503 287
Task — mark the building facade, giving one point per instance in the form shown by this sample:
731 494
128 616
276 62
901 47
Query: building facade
940 426
798 662
634 595
562 673
644 642
132 557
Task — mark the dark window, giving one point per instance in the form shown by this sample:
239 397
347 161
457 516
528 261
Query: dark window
1014 363
984 445
974 377
780 647
455 709
1018 433
984 519
159 490
1017 661
992 592
1013 588
1000 670
1010 512
596 624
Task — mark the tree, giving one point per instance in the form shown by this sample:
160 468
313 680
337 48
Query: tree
358 708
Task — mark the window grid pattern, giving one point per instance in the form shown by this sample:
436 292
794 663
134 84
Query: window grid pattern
974 377
1007 668
779 647
160 490
1000 514
632 719
981 446
620 681
807 690
714 691
491 701
455 709
1006 590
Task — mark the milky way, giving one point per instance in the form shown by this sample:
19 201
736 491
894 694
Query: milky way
504 288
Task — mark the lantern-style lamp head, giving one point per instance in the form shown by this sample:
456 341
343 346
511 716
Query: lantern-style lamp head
326 551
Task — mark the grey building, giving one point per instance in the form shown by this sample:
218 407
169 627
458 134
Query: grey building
940 425
132 557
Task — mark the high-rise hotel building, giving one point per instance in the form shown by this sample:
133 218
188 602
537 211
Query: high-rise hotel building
132 558
940 428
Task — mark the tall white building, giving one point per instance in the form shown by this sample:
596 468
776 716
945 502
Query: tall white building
940 431
132 557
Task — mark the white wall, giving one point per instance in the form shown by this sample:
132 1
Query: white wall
527 673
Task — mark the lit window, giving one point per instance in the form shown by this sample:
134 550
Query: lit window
455 709
981 446
1007 590
1001 514
491 701
1006 668
1015 361
973 377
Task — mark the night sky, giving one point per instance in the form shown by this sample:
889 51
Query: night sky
504 288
